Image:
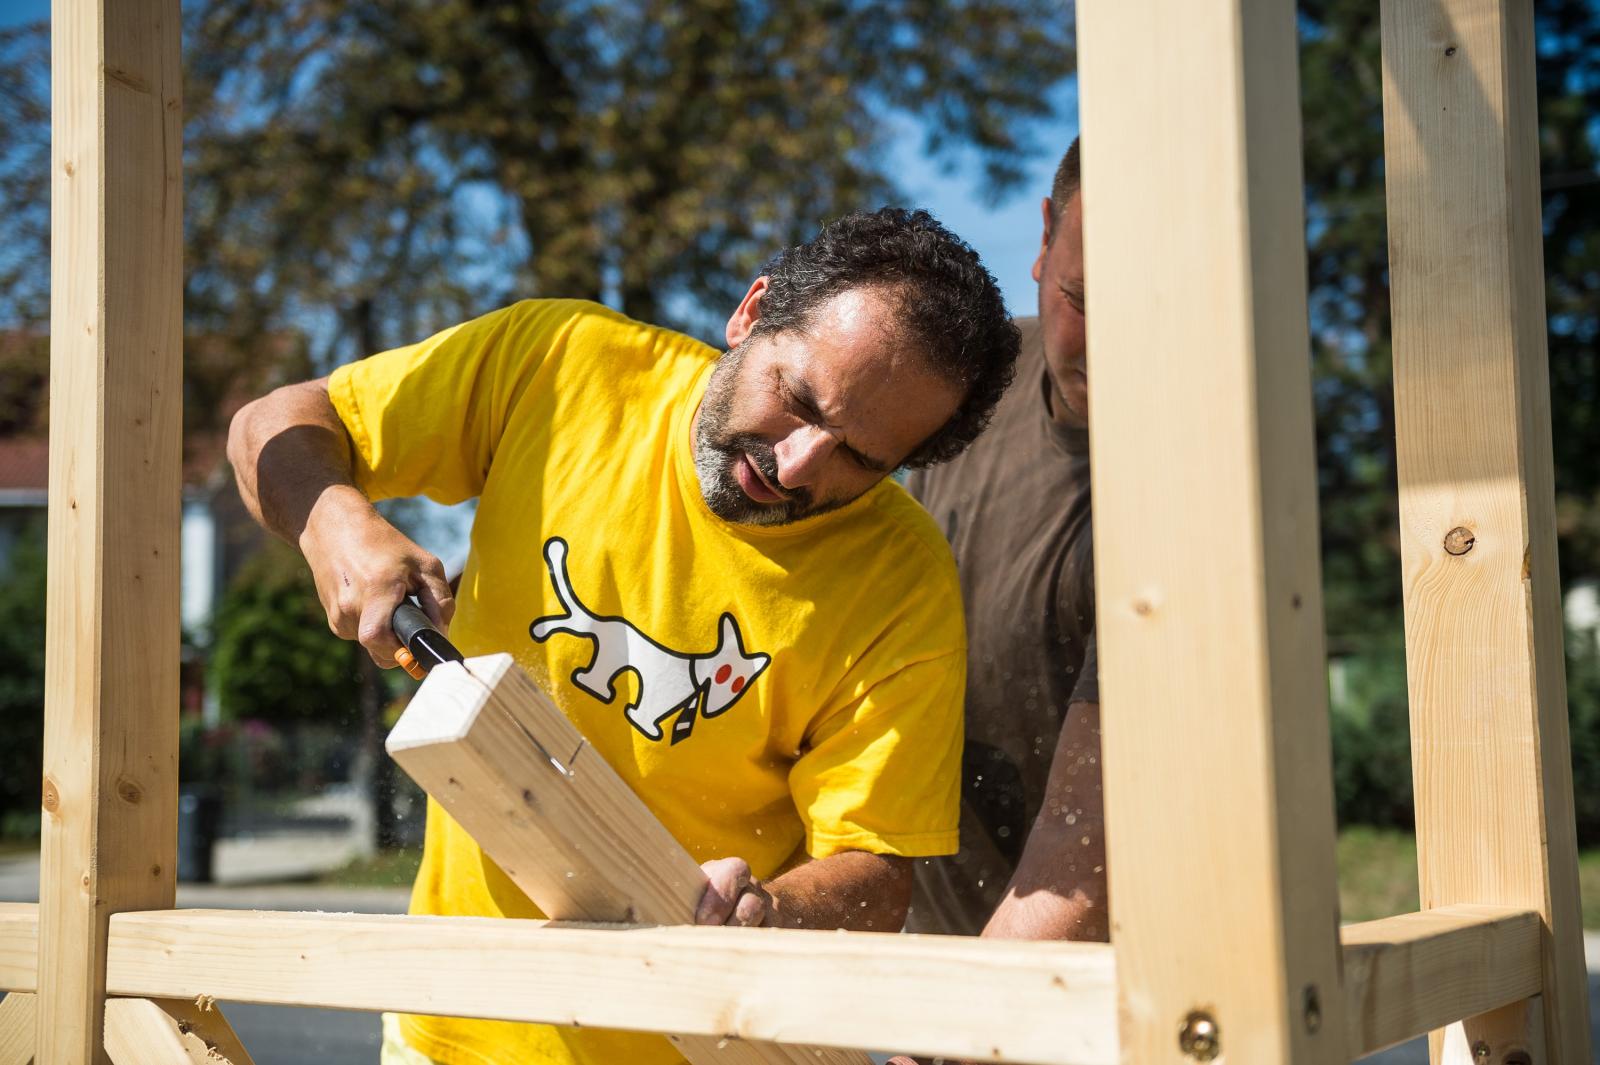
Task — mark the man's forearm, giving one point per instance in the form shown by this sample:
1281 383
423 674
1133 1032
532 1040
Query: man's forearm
853 889
288 450
292 460
1061 895
1059 888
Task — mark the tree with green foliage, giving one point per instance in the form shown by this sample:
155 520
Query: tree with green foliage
384 168
1347 241
364 173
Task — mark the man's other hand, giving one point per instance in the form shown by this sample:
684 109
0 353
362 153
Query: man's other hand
734 896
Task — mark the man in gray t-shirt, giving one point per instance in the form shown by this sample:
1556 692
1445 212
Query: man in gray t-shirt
1015 507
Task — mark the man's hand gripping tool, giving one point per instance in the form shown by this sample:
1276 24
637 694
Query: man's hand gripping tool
421 645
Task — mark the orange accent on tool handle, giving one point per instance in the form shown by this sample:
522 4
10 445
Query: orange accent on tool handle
408 662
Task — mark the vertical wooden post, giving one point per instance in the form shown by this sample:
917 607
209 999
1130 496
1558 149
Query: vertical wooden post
111 702
1217 766
1472 415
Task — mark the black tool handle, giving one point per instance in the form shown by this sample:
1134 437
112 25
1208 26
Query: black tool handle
417 634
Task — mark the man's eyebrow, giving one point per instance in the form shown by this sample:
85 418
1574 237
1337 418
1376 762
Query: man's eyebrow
801 390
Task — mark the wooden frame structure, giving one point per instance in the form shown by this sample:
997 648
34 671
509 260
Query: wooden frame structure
1226 942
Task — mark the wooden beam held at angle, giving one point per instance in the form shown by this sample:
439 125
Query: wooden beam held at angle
505 762
483 740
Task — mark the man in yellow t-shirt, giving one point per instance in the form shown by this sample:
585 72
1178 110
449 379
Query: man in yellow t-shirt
699 556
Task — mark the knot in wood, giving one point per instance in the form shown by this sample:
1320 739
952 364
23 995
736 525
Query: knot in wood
129 791
1459 541
52 798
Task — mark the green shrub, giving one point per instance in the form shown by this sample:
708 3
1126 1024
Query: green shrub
273 658
1583 716
1372 738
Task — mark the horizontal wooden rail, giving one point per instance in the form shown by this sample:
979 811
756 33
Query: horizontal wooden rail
1048 1003
1407 975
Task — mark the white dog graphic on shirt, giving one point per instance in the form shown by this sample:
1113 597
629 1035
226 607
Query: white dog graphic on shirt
670 682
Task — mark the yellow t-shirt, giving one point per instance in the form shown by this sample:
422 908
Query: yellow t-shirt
796 685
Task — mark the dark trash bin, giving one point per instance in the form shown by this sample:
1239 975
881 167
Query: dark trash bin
199 823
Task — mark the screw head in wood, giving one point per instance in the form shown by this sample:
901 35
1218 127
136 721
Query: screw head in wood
1200 1038
1459 541
1480 1052
1312 1009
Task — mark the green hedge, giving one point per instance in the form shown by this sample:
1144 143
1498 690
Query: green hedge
1372 741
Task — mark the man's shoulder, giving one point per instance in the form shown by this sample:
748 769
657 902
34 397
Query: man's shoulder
910 540
585 323
1029 328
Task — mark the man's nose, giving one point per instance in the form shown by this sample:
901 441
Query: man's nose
801 455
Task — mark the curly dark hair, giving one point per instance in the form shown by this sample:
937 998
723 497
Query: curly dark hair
946 303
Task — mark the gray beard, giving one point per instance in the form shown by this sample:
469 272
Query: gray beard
716 451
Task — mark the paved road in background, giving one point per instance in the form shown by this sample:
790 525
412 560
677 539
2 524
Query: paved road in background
281 1035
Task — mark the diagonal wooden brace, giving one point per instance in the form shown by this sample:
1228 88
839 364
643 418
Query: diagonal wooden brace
505 762
143 1031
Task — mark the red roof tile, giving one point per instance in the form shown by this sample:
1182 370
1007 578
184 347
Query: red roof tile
24 462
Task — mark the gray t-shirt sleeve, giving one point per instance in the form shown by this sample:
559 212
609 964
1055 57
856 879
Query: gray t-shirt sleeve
1087 689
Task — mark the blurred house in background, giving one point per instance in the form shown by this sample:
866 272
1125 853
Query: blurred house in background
218 536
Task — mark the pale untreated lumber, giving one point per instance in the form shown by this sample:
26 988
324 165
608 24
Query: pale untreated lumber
19 946
1409 974
140 1031
930 994
18 1012
1217 764
1512 1034
479 737
1489 739
502 758
1047 1003
110 786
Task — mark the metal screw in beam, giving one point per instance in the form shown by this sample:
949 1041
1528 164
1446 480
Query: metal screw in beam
1312 1009
1200 1038
1480 1053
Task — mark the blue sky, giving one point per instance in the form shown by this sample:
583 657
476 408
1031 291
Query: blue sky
1006 234
13 11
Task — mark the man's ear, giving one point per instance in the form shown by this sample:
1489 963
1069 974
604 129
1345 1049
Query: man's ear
744 319
1044 241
